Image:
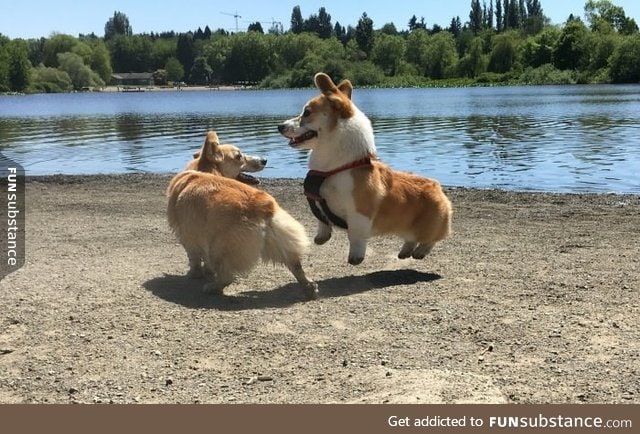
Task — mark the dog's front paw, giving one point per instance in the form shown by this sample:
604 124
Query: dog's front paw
356 260
311 290
196 273
323 235
213 288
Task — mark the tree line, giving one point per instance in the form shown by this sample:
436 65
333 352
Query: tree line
503 41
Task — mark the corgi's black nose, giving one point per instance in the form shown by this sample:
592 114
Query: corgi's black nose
281 128
263 161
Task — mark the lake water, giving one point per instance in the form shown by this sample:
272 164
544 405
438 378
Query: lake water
543 138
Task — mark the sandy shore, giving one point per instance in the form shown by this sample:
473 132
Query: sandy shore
534 299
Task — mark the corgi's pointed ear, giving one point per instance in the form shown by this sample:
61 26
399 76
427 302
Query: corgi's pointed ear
210 147
324 83
346 87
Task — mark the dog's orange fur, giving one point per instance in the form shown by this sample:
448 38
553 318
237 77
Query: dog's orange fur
400 202
226 226
372 199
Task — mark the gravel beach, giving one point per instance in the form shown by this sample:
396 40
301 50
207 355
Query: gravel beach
533 299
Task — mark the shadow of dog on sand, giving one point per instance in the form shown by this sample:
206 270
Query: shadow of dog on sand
187 292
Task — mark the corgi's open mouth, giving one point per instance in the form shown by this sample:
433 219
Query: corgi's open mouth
296 141
247 179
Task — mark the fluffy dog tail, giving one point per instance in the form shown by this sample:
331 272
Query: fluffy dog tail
285 239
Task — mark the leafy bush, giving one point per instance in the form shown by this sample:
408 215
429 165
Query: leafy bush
546 74
49 80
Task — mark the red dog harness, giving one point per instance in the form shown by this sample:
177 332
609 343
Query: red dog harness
317 203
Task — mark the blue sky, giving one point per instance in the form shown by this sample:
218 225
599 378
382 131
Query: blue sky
36 18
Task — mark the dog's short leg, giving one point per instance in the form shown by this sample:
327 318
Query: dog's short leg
359 232
309 286
216 286
323 235
422 250
407 249
195 265
221 279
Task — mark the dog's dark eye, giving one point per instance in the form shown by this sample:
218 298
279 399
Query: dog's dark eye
238 156
306 113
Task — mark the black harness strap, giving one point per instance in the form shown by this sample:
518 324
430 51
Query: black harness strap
317 203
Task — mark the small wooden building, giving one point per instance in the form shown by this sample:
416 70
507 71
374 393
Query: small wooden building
133 79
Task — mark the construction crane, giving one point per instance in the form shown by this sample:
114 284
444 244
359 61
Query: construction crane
236 16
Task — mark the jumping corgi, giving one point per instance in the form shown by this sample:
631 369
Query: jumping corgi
227 226
347 186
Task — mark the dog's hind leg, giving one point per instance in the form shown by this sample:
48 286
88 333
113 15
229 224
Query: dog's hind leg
407 249
221 279
195 265
309 286
220 269
422 250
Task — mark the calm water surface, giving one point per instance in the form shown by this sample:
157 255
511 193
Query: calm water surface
549 138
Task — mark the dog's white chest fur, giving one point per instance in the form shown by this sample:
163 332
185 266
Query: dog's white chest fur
352 139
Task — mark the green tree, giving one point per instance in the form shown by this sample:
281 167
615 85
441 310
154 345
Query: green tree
255 27
414 24
185 50
81 75
570 51
200 71
602 13
100 60
538 50
36 50
475 61
440 56
160 77
364 33
117 25
600 47
4 63
625 61
290 49
388 51
511 15
389 29
19 65
297 22
417 43
340 33
499 17
503 53
455 27
476 17
175 71
325 28
58 43
163 49
249 58
535 21
217 51
131 53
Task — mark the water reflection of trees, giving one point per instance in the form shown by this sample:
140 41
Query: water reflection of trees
130 127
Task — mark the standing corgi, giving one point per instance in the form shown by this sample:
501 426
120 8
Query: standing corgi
227 226
347 186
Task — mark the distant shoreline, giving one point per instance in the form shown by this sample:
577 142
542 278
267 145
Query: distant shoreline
125 89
